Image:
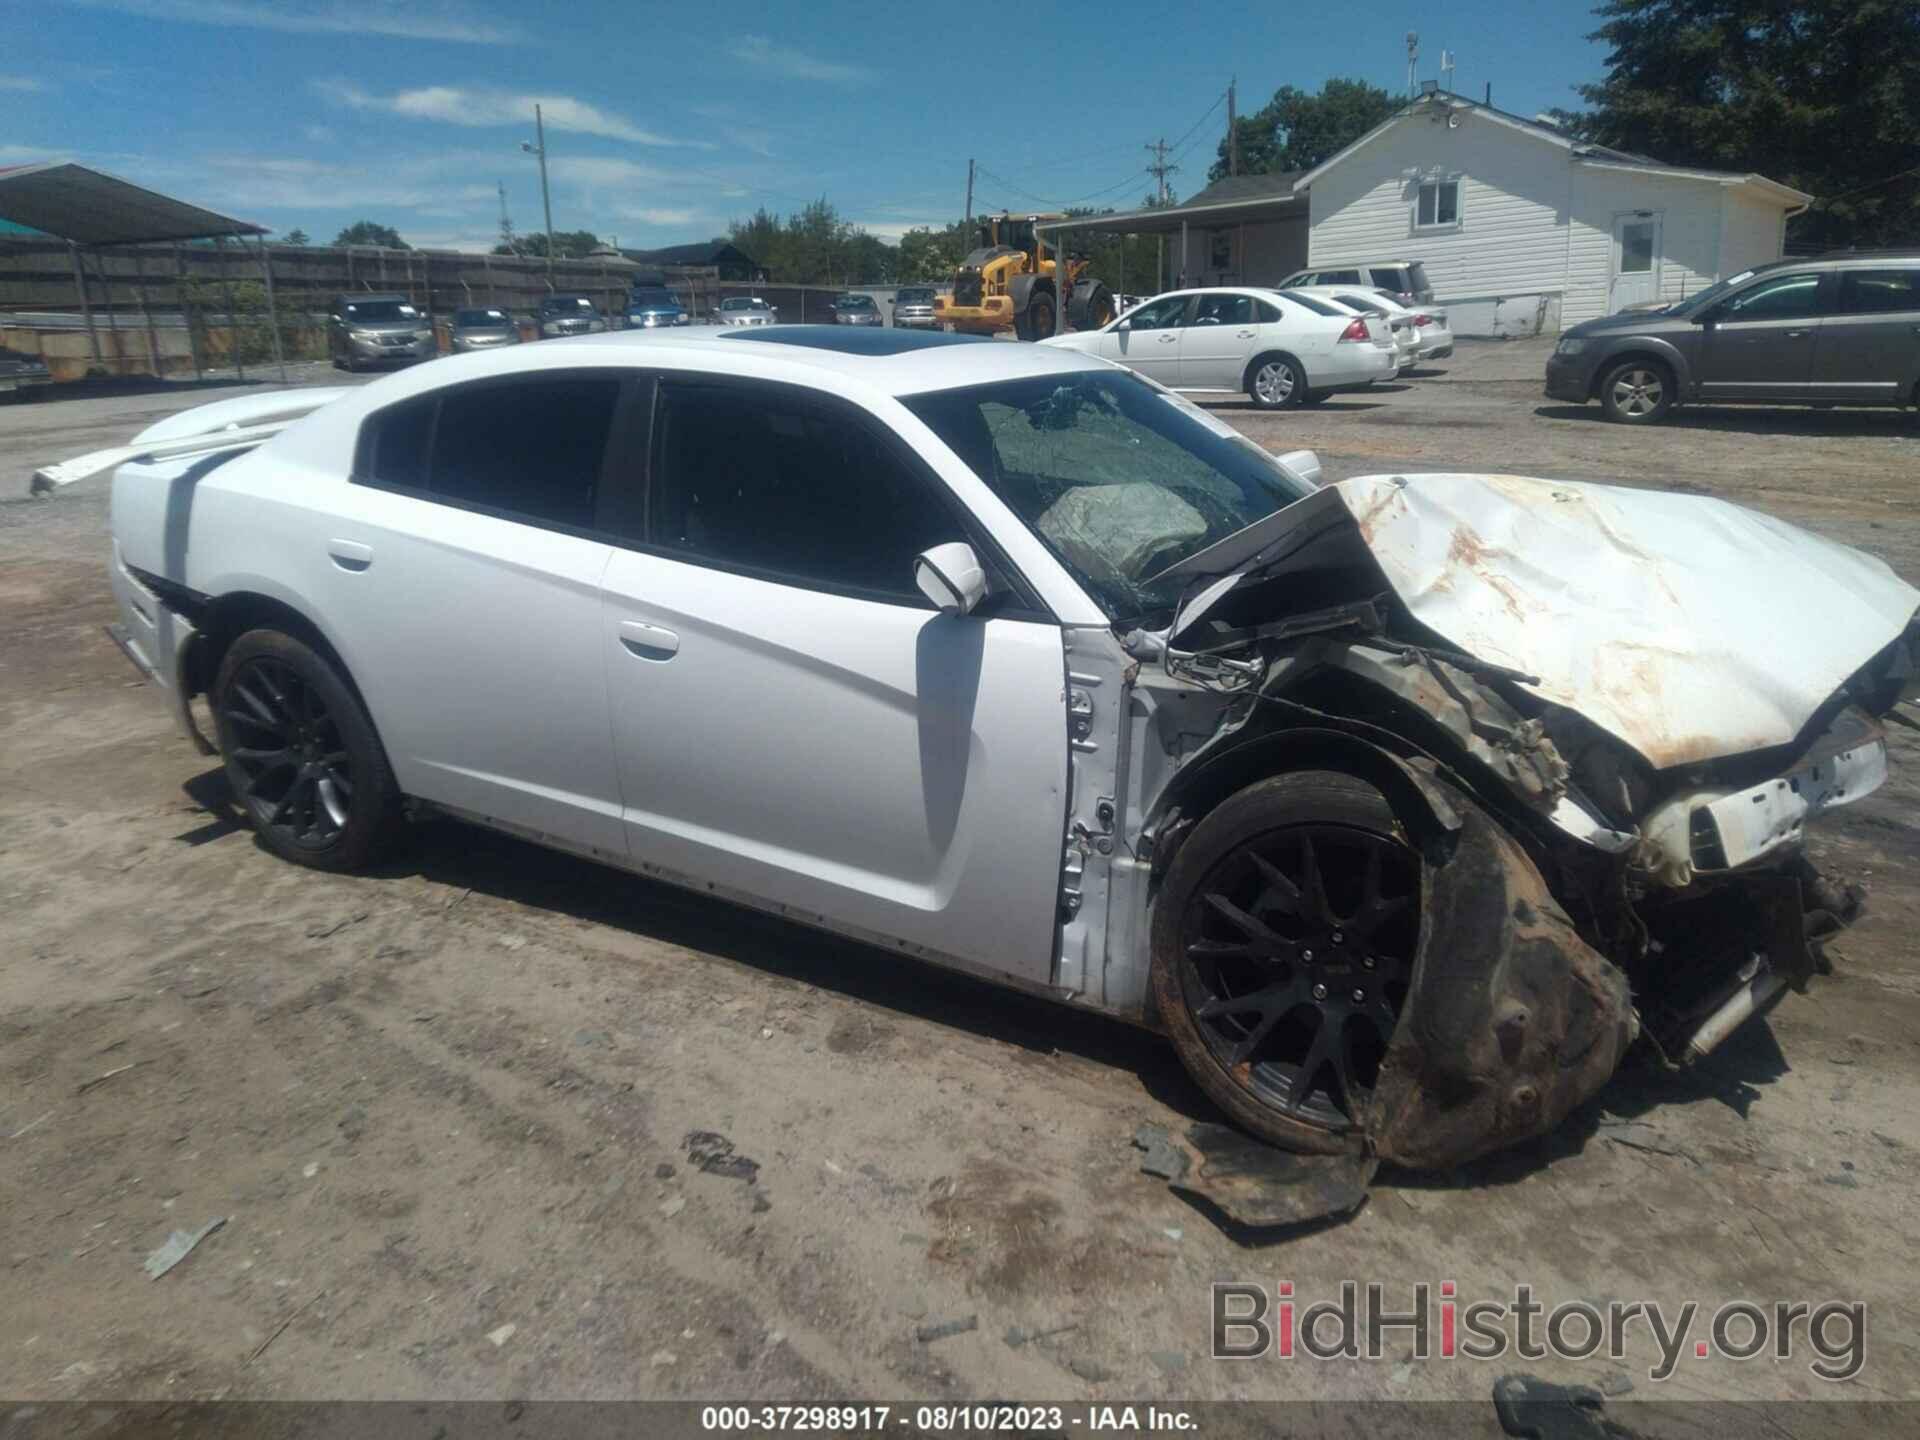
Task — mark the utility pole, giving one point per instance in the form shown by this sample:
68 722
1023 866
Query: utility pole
969 219
1160 169
539 148
1233 133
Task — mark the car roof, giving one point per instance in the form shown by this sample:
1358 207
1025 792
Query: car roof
1349 264
892 362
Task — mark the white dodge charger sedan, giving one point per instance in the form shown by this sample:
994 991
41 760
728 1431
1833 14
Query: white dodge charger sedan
1277 347
1402 806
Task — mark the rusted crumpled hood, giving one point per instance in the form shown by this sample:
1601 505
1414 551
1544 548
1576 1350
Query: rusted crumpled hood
1687 627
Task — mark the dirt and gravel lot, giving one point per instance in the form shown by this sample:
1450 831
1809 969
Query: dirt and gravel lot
445 1109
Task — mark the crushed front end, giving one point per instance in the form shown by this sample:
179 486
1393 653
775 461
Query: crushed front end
1602 863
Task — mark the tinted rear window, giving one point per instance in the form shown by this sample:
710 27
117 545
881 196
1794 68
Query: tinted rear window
1308 302
532 448
1879 292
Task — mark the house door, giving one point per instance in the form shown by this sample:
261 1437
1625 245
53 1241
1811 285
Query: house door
1636 260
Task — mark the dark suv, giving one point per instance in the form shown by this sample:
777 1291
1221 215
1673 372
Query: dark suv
1836 330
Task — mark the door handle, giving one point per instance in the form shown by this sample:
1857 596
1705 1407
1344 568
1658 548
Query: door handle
1243 334
350 555
1796 335
648 642
1168 339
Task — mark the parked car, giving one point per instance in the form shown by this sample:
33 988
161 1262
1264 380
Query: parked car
913 308
20 372
1281 348
1837 330
1419 331
651 306
855 309
561 315
747 310
1404 280
481 329
377 329
1401 837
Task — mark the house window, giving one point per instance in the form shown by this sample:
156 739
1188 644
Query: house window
1438 204
1220 250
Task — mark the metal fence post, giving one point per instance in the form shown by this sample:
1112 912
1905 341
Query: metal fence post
186 308
233 315
273 309
86 302
146 310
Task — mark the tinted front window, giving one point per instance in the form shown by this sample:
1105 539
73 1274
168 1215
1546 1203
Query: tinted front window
1785 297
1879 292
1159 314
479 318
914 297
532 448
747 476
1119 479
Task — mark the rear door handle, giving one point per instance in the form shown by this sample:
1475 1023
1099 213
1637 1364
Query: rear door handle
1243 334
648 642
1796 334
350 554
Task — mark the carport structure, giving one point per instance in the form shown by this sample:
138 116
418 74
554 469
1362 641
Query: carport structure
1259 220
89 208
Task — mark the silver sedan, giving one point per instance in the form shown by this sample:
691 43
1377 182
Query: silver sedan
481 330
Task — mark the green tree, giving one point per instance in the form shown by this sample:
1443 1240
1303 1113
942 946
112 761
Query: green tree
929 256
1820 94
294 237
567 244
1297 130
367 232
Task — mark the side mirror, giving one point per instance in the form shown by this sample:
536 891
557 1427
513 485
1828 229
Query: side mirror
1303 463
950 576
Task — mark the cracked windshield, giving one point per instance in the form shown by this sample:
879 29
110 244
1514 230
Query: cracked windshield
1120 479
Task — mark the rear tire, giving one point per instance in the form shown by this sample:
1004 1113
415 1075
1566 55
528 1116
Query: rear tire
1276 382
1284 940
1637 392
1036 322
301 754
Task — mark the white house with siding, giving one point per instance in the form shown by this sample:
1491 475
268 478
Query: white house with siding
1522 228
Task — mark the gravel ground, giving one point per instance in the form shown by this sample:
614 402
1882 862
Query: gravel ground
445 1108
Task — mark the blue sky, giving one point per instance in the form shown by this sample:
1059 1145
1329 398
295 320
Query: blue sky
665 121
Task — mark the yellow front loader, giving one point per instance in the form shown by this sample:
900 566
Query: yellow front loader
1011 282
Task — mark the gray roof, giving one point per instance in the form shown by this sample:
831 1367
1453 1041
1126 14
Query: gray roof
1247 187
91 207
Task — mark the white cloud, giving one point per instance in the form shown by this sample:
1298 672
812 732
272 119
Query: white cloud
319 134
891 230
403 19
21 84
795 64
453 105
657 215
